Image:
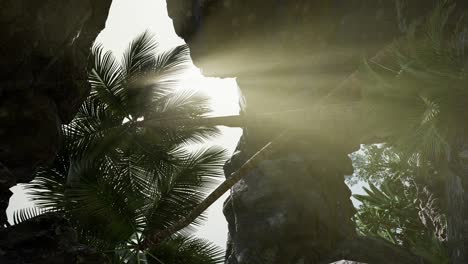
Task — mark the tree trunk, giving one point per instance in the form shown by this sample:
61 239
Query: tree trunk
158 236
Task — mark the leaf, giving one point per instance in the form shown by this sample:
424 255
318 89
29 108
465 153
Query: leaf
183 250
140 52
182 190
25 214
105 78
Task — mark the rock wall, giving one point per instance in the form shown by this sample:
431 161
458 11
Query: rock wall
46 239
282 212
295 207
44 55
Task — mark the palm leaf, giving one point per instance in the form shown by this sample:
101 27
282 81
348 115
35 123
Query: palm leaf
180 192
103 205
171 63
24 214
95 130
183 250
105 78
47 190
139 53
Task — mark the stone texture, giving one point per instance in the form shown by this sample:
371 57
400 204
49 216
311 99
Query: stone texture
44 56
294 208
46 239
285 53
372 250
44 50
278 203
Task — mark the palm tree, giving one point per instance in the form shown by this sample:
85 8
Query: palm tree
117 181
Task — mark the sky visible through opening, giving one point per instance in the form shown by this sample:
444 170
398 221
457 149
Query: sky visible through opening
127 19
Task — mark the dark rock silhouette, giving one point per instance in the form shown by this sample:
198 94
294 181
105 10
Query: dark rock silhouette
44 56
44 52
47 238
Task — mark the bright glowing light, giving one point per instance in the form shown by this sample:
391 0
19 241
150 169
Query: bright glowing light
222 92
128 18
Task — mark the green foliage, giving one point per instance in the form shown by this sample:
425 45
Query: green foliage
180 250
392 212
417 91
395 203
378 162
117 179
420 88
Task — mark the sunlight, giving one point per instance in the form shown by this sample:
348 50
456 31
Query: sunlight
151 15
223 93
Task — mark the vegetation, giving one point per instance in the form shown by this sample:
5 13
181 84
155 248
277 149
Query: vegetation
420 89
397 206
128 182
117 181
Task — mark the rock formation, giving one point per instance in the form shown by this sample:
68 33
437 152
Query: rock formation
295 207
47 238
44 56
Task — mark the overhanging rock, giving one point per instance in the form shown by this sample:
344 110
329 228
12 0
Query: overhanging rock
295 207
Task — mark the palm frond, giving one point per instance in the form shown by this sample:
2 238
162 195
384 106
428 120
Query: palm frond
182 104
182 250
102 204
171 63
24 214
105 78
47 190
95 130
426 87
181 191
139 53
